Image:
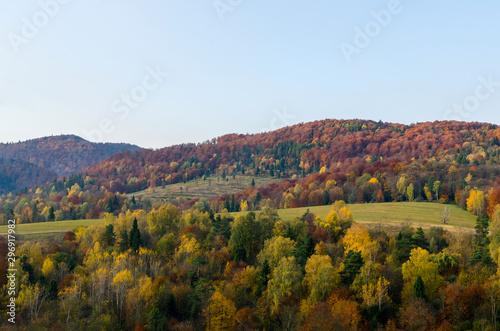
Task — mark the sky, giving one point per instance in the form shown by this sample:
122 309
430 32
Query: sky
160 72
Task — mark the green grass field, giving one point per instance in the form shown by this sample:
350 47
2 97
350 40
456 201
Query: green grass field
50 227
394 214
386 216
202 189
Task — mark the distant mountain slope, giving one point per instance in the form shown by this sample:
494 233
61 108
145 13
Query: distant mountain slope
34 162
301 149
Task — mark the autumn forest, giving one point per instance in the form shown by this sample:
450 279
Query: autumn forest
164 258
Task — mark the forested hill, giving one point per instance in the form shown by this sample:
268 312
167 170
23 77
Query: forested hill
300 150
34 162
318 163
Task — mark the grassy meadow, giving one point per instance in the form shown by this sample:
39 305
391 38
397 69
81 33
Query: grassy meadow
391 216
202 189
50 227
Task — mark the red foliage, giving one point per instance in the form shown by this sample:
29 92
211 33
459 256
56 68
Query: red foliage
493 202
69 236
55 249
65 282
320 318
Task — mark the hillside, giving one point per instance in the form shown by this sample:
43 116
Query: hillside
308 164
201 188
324 161
301 150
33 162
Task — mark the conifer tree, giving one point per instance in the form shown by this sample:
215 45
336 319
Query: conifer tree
135 237
304 248
404 245
481 240
52 215
124 242
109 235
353 262
263 279
419 288
419 239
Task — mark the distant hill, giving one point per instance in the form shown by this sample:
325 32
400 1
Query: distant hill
303 149
34 162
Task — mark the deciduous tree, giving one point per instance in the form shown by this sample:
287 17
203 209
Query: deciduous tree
321 278
285 281
220 313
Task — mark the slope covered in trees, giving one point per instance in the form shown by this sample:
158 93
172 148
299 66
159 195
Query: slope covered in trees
301 150
34 162
169 269
192 265
318 163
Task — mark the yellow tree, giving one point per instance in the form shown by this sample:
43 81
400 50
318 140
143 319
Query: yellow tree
428 193
420 264
99 286
244 205
187 249
163 219
476 202
219 313
321 278
275 249
287 199
71 298
121 283
410 192
402 184
96 257
33 250
138 298
343 213
48 268
285 281
31 298
358 239
376 294
338 220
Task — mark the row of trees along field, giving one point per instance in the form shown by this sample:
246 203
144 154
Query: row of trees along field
172 269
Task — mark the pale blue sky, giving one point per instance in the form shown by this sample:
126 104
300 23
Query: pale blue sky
266 65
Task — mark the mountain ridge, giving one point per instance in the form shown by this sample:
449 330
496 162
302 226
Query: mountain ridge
33 162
